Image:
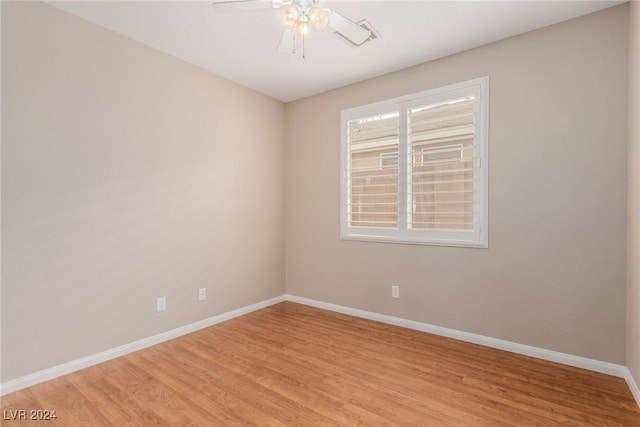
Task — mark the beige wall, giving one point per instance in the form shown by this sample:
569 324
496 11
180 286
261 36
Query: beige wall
633 212
126 175
554 273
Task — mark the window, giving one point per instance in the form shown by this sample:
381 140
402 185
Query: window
446 153
415 169
388 159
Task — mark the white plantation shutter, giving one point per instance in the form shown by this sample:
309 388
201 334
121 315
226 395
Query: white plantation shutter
414 169
441 190
373 171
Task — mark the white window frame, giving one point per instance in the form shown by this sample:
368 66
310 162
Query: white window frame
476 238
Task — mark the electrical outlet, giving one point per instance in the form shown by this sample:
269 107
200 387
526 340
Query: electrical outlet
202 294
161 304
395 291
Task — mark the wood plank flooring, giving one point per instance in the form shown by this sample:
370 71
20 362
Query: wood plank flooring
293 365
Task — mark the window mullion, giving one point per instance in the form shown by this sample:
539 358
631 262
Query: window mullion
403 170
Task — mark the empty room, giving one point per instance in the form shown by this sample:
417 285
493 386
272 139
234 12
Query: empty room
320 213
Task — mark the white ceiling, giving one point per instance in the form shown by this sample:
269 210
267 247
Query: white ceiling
242 46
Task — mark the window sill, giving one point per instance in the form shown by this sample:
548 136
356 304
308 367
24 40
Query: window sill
410 241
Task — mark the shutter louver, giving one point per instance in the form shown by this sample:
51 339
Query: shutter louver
373 171
441 161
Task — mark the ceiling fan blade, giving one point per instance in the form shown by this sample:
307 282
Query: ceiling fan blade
287 42
241 5
348 29
279 3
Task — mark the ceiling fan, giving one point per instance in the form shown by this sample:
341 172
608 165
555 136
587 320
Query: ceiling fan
298 16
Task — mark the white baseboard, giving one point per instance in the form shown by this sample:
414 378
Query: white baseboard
75 365
633 385
540 353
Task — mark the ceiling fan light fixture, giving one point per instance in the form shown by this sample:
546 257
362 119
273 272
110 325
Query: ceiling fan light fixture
319 17
290 16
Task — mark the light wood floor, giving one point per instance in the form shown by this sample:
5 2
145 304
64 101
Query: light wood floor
292 365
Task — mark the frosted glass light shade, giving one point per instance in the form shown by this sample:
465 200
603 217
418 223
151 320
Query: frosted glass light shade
290 16
303 30
319 17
